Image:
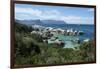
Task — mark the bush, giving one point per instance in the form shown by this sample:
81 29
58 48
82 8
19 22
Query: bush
29 49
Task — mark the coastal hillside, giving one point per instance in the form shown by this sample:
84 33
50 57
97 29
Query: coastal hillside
31 49
53 22
30 22
41 22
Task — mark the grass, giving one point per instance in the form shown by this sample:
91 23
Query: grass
29 49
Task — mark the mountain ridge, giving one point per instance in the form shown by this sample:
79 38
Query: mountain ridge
40 22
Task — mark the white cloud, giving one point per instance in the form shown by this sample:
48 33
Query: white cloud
36 11
77 19
29 13
55 12
72 19
42 14
91 10
49 14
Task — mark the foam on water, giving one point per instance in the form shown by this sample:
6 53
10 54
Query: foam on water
69 41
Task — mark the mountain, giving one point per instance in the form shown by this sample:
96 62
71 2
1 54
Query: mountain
41 22
30 22
53 22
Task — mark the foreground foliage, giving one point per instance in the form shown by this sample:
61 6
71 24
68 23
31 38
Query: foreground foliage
29 49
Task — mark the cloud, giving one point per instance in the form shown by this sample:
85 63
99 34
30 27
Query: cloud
72 19
55 12
30 13
90 10
27 11
41 14
77 19
36 11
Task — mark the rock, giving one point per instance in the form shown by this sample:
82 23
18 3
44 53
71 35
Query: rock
86 40
80 33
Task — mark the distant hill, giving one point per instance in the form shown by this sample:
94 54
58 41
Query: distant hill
53 22
22 28
41 22
29 22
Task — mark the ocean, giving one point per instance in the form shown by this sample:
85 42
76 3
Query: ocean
87 29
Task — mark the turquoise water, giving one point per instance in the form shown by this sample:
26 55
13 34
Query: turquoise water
87 29
67 39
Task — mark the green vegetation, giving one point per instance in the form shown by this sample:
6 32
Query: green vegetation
29 49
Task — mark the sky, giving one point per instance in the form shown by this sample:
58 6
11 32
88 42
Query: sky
71 15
